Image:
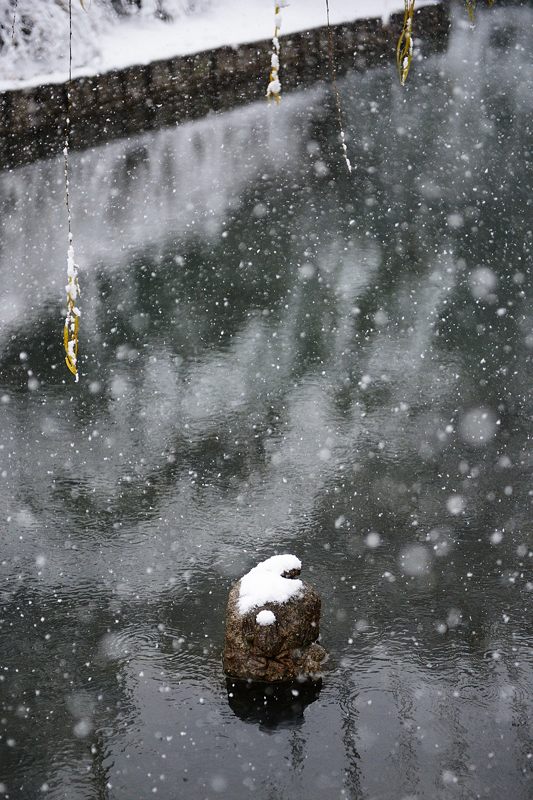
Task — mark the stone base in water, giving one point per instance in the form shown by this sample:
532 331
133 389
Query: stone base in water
272 625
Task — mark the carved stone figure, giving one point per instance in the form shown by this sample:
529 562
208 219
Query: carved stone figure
272 624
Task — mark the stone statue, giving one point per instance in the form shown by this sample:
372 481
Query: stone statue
272 624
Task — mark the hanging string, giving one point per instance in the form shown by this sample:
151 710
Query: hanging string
274 85
404 48
72 320
14 20
333 77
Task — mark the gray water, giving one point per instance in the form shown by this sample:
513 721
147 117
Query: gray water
278 357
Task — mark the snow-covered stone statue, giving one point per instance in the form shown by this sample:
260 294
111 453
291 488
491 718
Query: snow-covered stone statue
272 624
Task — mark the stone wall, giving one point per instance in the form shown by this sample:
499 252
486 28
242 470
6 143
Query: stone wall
167 92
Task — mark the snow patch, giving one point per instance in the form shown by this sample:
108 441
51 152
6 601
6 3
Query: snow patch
265 618
265 583
118 35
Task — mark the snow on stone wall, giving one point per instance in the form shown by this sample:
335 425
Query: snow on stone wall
114 34
40 41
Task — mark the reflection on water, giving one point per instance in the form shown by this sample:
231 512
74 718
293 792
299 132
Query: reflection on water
277 356
272 706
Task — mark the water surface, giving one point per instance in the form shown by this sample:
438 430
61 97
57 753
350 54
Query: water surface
278 356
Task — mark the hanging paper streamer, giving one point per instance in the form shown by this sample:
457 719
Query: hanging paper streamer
404 48
274 85
471 8
72 320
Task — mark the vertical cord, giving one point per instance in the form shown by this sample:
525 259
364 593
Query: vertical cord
72 320
333 76
14 20
67 125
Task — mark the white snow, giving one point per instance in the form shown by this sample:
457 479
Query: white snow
103 40
265 583
72 271
274 87
265 618
478 426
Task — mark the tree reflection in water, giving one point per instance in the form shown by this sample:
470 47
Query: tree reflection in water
278 357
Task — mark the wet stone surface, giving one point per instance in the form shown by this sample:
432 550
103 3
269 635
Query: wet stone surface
282 649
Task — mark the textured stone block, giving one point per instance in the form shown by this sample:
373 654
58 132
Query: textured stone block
275 639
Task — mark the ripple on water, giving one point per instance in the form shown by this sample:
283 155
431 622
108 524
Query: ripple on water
170 655
124 644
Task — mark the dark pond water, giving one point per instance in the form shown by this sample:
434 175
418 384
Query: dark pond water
278 357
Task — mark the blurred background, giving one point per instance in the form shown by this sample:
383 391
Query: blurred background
277 356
